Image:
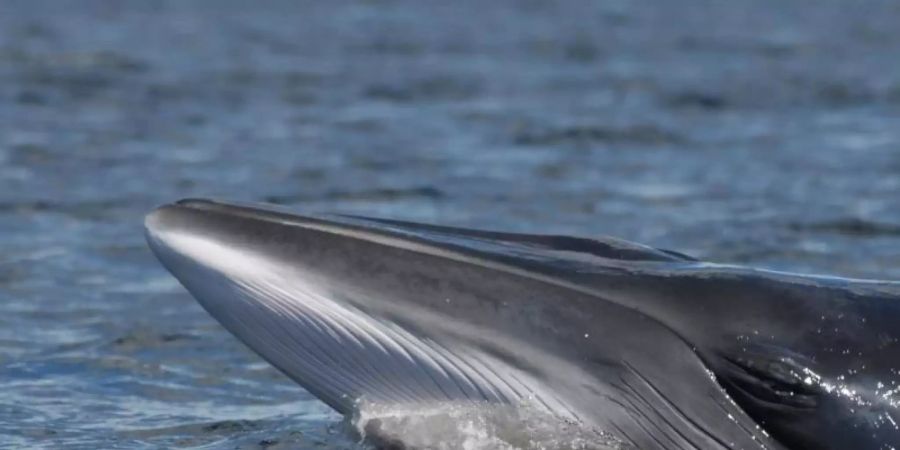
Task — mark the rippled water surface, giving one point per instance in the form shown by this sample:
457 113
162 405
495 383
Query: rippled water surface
764 133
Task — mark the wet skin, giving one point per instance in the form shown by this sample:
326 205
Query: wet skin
651 346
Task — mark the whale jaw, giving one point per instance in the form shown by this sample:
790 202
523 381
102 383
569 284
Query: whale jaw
311 331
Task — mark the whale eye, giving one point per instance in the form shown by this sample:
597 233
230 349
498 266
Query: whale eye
782 392
770 383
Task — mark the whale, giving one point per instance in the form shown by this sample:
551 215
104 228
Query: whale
651 347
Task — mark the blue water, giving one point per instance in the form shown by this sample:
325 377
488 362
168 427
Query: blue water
763 133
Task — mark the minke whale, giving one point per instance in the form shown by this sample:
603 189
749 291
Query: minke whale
657 349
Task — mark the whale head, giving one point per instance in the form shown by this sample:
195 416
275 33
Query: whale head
643 345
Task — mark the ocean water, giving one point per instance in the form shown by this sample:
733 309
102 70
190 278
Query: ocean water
763 133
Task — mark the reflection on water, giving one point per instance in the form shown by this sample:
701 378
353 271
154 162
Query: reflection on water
763 133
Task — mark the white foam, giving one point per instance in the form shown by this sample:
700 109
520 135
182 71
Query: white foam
467 426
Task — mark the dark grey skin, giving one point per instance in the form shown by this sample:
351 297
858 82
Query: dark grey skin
650 346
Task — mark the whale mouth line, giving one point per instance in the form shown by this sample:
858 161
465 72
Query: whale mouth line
394 237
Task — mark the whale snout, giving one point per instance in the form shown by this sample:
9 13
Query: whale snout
157 224
181 215
165 227
178 217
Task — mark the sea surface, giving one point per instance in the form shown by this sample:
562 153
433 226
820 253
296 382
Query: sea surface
759 132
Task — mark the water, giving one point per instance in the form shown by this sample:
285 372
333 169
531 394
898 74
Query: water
761 133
